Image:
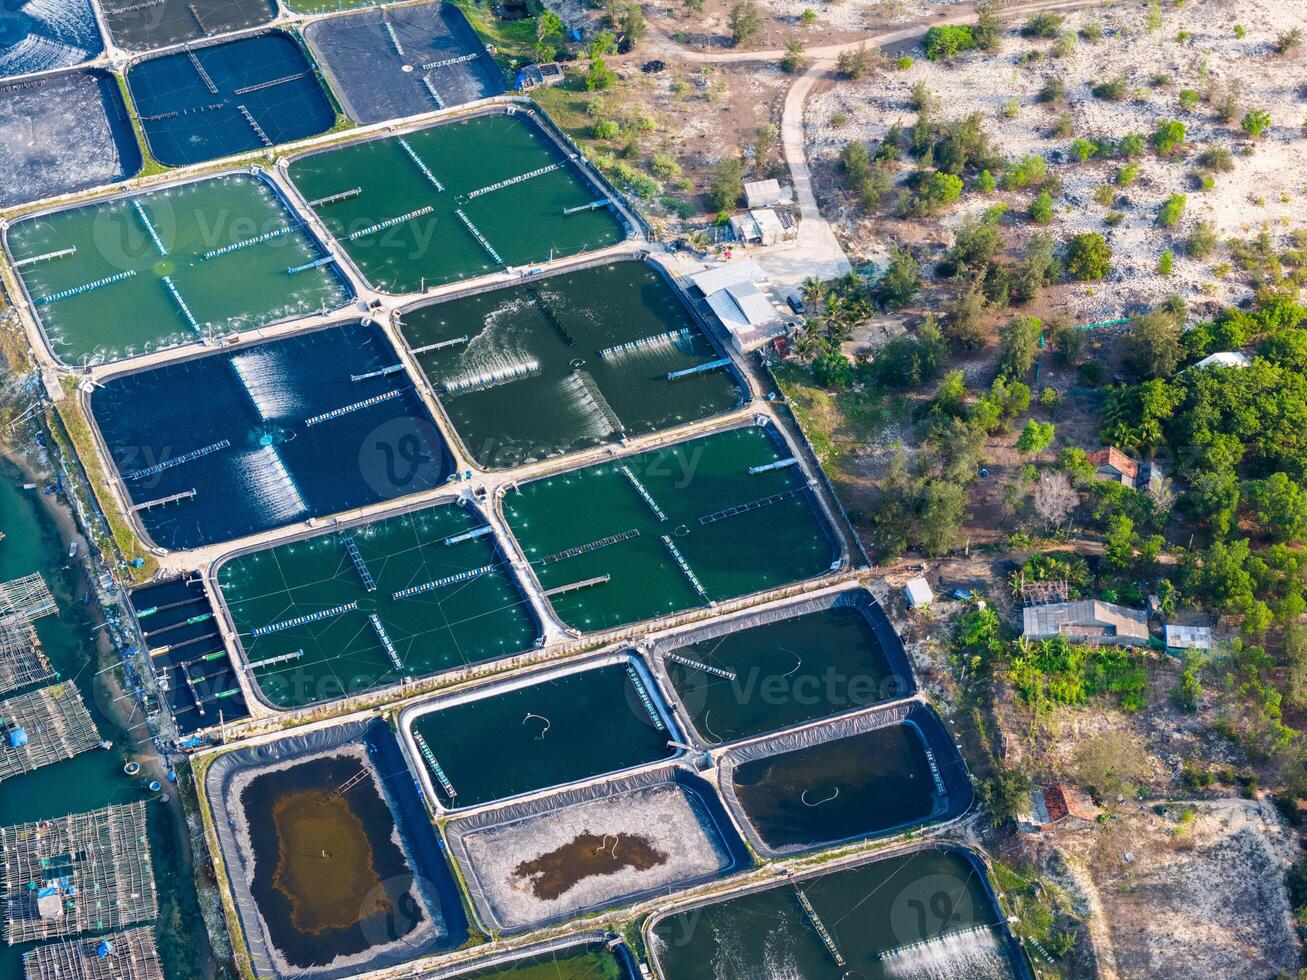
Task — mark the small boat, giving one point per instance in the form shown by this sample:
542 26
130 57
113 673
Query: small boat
72 550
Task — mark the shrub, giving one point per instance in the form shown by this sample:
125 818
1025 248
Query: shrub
904 62
1166 263
793 60
1112 90
727 184
1126 174
1202 240
1092 32
808 17
1054 90
1256 122
1289 41
1065 45
664 166
1088 257
1132 145
1169 137
1083 149
745 22
1030 171
947 40
1188 99
1047 25
599 76
1217 158
985 183
1041 208
604 129
938 191
901 282
853 64
1036 436
1172 208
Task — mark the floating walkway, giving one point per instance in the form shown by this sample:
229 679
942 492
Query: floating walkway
168 464
384 637
492 379
172 498
472 535
440 583
318 202
272 83
352 549
642 491
934 772
696 665
667 339
315 264
436 769
97 866
304 620
462 59
388 223
418 162
84 288
643 694
149 227
752 505
381 373
267 236
199 70
281 658
704 368
779 464
43 727
179 113
336 413
587 548
45 257
500 185
439 345
684 566
186 313
585 583
592 206
478 236
827 939
254 125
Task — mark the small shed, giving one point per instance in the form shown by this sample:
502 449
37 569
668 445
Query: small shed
771 230
1188 637
1086 621
918 593
764 194
1056 804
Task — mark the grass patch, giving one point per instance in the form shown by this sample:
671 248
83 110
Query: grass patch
837 423
75 438
513 40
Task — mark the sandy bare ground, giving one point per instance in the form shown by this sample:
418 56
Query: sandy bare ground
1196 47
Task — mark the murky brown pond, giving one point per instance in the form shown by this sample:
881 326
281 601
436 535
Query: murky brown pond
586 856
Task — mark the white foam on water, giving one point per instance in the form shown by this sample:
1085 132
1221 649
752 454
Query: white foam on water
270 484
267 378
970 955
593 422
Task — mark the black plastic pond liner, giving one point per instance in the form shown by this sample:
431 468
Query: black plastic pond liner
899 682
63 133
208 102
226 444
421 846
140 25
948 770
40 35
557 954
403 61
459 828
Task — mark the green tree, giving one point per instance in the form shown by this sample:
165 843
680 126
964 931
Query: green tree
853 63
943 509
937 192
1018 346
1152 344
1169 137
1041 208
1166 263
947 40
1089 257
794 59
745 22
599 76
901 282
1006 795
1035 438
1280 506
727 185
1172 208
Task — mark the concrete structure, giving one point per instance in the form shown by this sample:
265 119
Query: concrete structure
1056 804
1188 637
765 194
1086 621
918 593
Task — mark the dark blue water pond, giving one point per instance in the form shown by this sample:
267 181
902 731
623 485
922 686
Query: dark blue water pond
263 436
37 35
227 98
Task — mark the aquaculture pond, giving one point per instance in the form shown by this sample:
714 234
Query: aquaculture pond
926 914
139 25
554 858
208 102
748 677
456 200
188 655
871 776
671 529
402 61
227 444
356 609
510 740
63 133
194 261
568 362
40 35
578 962
335 867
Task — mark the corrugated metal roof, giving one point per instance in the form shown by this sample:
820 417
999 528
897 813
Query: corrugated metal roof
719 277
